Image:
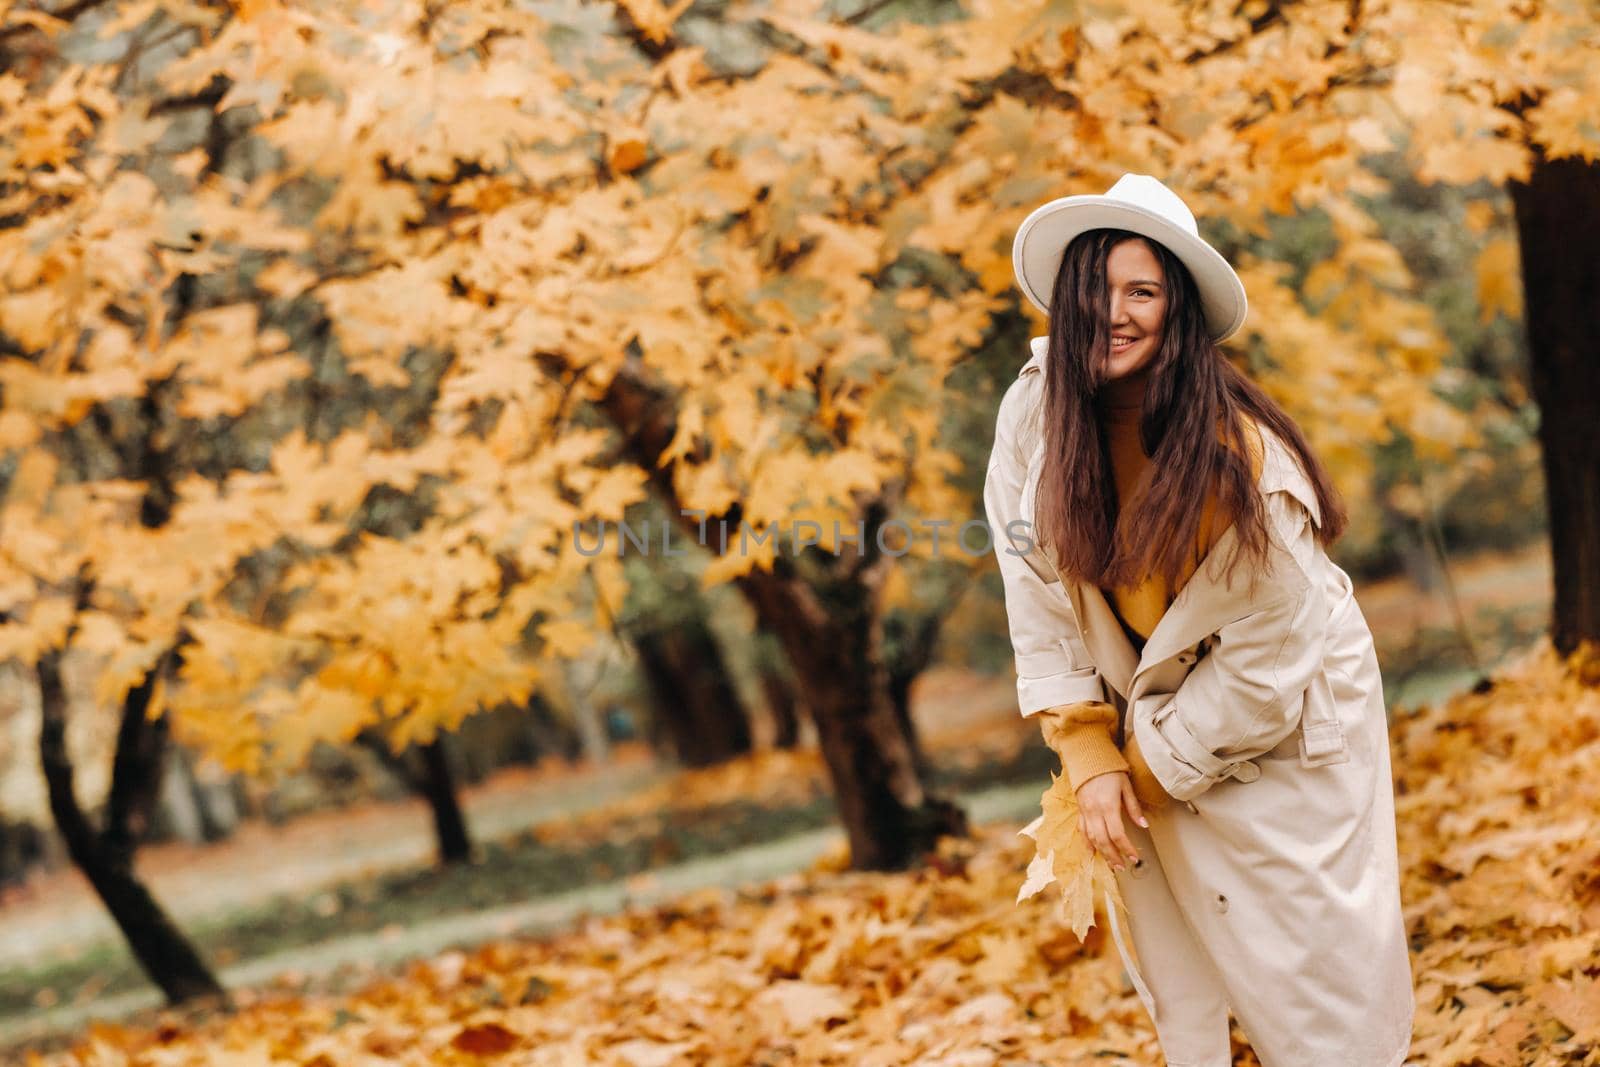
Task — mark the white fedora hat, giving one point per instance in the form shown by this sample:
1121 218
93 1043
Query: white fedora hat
1142 204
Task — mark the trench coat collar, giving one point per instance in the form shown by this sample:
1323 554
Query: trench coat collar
1202 606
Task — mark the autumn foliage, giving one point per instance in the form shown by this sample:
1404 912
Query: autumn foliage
484 228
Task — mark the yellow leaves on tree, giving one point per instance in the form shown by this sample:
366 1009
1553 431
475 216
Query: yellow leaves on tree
499 213
1499 277
1563 120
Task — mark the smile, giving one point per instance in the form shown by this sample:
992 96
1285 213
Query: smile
1119 343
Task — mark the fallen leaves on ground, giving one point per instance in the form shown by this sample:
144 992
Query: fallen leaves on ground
847 968
1496 800
943 967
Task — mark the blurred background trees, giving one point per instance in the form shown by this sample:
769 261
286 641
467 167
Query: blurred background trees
331 331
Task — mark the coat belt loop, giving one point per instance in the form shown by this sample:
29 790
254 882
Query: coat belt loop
1322 738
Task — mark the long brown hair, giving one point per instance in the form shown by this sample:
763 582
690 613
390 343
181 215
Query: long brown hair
1192 426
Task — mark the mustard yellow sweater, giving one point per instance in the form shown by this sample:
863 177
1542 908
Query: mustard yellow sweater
1081 733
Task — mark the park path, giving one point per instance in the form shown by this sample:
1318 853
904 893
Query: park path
61 915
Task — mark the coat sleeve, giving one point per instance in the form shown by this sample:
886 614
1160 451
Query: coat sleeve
1052 666
1246 696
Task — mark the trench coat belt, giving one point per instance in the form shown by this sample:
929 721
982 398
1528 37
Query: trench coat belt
1311 745
1139 984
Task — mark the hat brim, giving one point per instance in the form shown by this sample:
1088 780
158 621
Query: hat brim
1044 234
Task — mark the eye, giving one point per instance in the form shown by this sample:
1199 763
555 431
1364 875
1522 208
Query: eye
1142 289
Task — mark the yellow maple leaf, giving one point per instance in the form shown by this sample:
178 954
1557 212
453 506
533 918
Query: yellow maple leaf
566 637
1499 281
629 155
1066 858
613 490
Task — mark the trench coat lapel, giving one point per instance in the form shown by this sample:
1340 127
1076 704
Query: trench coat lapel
1113 653
1202 607
1206 603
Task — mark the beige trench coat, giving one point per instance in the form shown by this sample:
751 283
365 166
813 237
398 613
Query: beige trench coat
1272 886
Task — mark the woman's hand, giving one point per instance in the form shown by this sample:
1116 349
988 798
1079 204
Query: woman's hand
1101 801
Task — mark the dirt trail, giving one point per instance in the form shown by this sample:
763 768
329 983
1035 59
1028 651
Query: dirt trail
59 913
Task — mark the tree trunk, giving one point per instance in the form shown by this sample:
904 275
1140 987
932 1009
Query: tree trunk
549 734
889 818
691 693
218 798
784 706
586 718
426 771
21 847
136 770
912 640
106 858
438 786
1417 560
1558 227
202 804
900 696
179 807
831 629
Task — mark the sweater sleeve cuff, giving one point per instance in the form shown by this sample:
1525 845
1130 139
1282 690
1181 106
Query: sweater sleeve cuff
1086 749
1080 735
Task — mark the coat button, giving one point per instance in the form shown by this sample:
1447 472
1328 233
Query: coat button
1222 902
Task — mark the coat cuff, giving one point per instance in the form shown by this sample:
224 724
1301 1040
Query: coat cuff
1034 694
1184 767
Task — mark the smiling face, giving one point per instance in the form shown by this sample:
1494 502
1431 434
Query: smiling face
1138 290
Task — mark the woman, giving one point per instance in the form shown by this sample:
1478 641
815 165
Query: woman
1195 658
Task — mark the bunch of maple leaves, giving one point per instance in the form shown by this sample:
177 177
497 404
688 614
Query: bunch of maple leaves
1501 885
